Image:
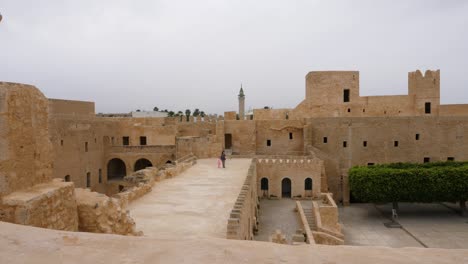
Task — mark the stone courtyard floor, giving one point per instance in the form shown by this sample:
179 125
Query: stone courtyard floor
277 214
424 225
196 203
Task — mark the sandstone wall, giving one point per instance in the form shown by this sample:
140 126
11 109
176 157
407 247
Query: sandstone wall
297 169
243 218
48 205
26 154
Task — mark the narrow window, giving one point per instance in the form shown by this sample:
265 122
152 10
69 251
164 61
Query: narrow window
427 159
67 178
268 143
95 140
417 136
370 164
88 179
364 143
61 142
450 159
427 107
86 146
100 176
346 95
345 144
325 140
290 135
349 110
395 143
125 141
363 110
142 141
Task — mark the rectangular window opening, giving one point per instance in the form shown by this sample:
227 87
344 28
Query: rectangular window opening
345 144
364 143
125 141
325 140
143 141
370 164
290 135
450 159
67 178
268 143
395 143
86 146
346 95
88 179
100 176
427 107
417 136
427 159
61 142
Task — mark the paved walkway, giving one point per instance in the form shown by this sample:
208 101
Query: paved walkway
277 214
432 224
196 203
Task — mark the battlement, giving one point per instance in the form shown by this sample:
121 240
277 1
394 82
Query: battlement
429 74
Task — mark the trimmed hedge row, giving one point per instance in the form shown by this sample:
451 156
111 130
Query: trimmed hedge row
408 182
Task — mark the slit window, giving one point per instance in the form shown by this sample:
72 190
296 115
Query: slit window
125 141
325 140
100 176
370 164
345 144
395 143
417 137
364 143
349 110
88 179
143 141
61 142
268 143
346 95
86 146
290 135
427 107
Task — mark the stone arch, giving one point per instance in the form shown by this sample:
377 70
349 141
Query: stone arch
169 162
116 169
286 190
142 164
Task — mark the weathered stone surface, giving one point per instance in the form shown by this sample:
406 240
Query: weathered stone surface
49 205
99 213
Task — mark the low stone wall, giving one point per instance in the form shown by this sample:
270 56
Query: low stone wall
244 215
48 205
99 213
328 230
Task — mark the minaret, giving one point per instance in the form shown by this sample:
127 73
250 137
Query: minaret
241 104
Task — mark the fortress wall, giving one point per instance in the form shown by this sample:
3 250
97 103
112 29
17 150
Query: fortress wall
285 137
244 215
439 138
71 107
297 169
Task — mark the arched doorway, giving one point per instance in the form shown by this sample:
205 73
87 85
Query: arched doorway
286 188
142 164
116 169
308 187
264 187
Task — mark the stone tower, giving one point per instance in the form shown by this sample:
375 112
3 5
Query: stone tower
241 104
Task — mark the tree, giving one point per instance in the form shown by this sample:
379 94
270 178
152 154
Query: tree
409 182
196 112
202 114
187 113
138 110
266 107
170 113
155 109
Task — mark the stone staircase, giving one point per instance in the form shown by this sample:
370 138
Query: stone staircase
310 217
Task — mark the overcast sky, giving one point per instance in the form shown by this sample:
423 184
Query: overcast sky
127 55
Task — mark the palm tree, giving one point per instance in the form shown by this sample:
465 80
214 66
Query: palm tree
155 109
170 113
180 114
187 113
202 114
196 112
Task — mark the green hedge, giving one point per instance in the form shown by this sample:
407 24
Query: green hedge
408 182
